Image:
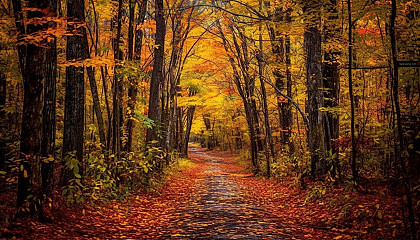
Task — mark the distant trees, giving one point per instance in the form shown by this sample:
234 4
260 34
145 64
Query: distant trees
343 132
245 85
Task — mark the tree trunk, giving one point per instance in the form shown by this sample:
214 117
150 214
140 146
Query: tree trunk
278 49
288 110
269 146
49 111
96 104
180 30
20 26
350 78
132 91
132 95
117 89
401 146
29 181
331 82
157 75
3 125
312 40
253 142
74 110
139 33
190 116
108 110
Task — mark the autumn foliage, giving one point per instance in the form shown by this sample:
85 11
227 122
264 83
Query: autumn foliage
231 119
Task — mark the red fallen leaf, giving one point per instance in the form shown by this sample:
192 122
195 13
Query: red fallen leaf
45 11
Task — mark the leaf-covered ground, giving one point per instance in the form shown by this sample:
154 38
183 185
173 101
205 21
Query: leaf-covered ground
217 199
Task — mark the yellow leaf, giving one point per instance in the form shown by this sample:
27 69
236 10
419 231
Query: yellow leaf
379 215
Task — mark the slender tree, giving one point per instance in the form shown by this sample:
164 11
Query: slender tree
351 94
96 104
132 91
3 146
269 146
117 116
93 86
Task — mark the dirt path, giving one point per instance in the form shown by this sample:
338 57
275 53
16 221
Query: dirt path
220 209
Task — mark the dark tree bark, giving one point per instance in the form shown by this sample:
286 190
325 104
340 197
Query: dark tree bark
249 115
30 143
18 13
157 75
169 113
250 106
400 144
3 148
288 110
269 146
312 39
96 104
211 143
108 110
281 76
331 82
132 91
190 116
117 89
331 95
49 111
74 110
139 33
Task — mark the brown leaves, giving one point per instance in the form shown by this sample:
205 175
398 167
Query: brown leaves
337 214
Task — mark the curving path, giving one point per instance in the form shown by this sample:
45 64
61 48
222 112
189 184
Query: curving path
220 210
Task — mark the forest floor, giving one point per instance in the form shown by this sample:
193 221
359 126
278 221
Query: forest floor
216 198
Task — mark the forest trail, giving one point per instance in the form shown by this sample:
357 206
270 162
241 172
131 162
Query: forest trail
213 198
220 209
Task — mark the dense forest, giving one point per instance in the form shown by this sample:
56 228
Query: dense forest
100 100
